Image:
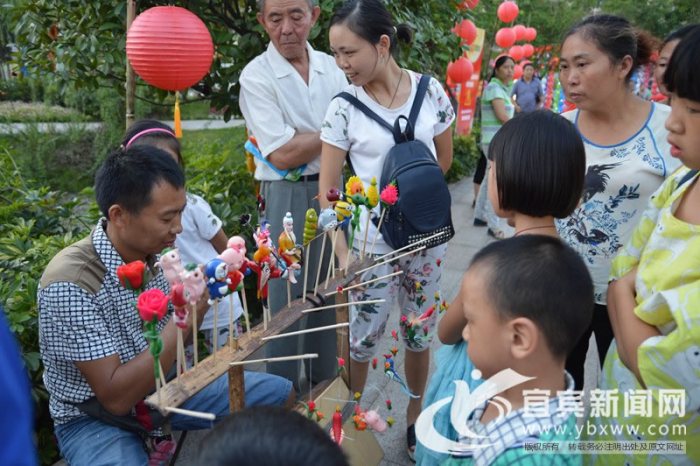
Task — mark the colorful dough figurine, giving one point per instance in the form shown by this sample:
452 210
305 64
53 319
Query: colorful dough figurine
218 282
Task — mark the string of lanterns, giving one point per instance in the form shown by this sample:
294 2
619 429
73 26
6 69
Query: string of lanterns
460 70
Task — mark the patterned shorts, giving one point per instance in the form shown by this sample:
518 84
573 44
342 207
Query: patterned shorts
417 292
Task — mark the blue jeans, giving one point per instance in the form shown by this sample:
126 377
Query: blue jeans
88 441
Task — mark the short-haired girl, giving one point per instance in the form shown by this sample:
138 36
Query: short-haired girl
538 167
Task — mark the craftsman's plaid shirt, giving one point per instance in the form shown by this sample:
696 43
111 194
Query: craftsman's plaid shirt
85 314
503 438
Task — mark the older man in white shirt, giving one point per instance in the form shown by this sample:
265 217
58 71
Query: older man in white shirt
284 95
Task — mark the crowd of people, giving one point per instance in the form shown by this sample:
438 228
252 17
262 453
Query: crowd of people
594 215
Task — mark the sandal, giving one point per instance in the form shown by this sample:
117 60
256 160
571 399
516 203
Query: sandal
495 234
411 442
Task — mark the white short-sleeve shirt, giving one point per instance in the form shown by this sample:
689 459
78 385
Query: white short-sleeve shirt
367 142
199 225
620 179
276 102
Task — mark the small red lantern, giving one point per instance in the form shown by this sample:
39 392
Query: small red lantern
530 34
169 47
516 52
517 71
519 31
528 50
505 37
467 31
460 70
507 11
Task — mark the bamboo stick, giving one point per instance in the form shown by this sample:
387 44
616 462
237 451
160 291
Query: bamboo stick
332 306
389 260
276 359
358 285
308 330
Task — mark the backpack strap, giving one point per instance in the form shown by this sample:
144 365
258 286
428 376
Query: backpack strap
418 101
365 109
399 134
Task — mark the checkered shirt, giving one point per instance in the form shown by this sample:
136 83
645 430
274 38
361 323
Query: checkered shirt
507 435
77 325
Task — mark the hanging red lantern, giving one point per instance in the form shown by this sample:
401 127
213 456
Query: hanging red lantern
505 37
507 11
517 71
467 31
460 70
530 34
528 50
516 52
169 47
519 31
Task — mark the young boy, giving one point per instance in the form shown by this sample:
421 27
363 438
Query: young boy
527 301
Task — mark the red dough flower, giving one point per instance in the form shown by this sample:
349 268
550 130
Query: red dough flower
177 295
152 305
389 195
132 275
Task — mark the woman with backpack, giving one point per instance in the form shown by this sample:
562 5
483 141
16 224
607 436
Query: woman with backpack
363 39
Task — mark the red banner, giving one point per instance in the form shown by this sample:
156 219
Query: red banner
468 92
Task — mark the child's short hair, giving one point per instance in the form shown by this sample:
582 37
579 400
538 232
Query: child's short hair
544 280
681 75
127 177
270 436
540 164
153 133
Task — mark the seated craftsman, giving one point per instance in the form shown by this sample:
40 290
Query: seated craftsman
98 368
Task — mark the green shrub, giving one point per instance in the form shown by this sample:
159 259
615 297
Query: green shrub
60 160
465 157
17 89
16 111
35 223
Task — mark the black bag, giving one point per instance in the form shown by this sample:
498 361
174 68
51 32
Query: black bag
424 206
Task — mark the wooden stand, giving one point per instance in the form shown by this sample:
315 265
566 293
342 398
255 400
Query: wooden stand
177 391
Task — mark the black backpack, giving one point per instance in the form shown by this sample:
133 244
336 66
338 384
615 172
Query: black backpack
424 206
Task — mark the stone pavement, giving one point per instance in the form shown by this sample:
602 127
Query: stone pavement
467 241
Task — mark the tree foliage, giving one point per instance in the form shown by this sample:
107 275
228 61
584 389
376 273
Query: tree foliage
89 47
83 41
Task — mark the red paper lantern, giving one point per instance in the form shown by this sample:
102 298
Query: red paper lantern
169 47
530 34
460 70
507 11
528 50
519 31
505 37
517 71
516 52
467 31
